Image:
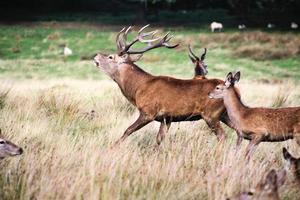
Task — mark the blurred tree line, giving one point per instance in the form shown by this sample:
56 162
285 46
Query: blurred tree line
244 10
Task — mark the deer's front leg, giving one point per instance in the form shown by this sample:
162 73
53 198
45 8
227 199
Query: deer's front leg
141 121
216 127
225 119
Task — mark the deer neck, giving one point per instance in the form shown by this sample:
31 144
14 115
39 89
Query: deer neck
234 106
130 79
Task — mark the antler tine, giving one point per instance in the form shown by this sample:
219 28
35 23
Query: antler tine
138 38
141 37
162 41
119 45
118 35
151 33
191 53
143 28
203 55
127 31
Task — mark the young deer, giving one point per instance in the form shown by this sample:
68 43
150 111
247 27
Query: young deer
257 124
7 148
200 66
160 98
267 189
292 163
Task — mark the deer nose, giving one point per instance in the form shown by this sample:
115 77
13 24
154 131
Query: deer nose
20 151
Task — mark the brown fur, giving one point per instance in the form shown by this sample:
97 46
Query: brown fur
258 124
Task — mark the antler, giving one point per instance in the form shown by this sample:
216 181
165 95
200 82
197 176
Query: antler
193 56
123 47
203 55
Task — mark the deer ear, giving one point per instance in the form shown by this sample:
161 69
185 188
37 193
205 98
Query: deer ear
228 79
237 76
136 57
286 154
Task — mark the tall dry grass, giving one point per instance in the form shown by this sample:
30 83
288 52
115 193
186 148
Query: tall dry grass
67 127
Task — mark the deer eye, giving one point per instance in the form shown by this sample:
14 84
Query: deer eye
217 87
2 142
110 57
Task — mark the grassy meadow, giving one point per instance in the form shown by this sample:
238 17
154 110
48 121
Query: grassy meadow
66 114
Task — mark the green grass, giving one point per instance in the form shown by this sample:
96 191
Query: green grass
36 52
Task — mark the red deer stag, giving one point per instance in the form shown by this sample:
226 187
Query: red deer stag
257 124
8 148
160 98
293 164
200 67
266 189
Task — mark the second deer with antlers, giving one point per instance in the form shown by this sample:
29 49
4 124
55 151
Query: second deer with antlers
160 98
257 124
200 69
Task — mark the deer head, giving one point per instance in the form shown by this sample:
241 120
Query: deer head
200 66
113 63
221 89
8 148
268 188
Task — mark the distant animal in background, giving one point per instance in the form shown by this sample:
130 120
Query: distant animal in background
292 164
242 27
216 26
257 124
294 25
200 66
270 26
67 51
7 148
266 189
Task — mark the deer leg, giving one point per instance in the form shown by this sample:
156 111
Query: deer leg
141 121
217 129
239 141
252 146
225 119
163 129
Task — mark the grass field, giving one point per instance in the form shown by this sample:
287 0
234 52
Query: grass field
66 114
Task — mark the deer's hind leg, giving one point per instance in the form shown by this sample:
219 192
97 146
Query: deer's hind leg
253 145
163 129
